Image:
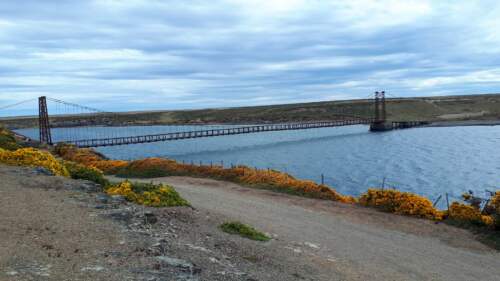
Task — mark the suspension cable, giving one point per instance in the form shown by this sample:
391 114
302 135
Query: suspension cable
79 106
17 103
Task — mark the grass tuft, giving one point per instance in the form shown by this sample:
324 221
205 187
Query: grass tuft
243 230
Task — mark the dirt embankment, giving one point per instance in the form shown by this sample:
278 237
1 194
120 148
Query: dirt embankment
53 228
347 242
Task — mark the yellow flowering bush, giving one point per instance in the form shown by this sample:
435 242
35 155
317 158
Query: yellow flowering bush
403 203
89 158
148 194
34 158
494 209
495 201
268 179
466 213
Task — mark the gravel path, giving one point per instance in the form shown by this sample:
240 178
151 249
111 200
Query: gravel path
354 242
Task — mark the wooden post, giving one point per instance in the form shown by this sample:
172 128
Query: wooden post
447 202
437 200
322 179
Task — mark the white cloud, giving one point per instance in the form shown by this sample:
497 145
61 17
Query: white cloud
122 54
484 76
241 52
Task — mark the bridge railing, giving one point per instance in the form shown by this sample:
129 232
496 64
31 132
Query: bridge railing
215 132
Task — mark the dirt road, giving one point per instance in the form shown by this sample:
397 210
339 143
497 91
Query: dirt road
355 242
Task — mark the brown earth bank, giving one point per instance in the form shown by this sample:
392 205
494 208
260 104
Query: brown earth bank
53 228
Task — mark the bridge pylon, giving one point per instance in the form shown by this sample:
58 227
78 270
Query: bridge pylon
380 121
43 121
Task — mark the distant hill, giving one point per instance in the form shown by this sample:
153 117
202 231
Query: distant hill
443 108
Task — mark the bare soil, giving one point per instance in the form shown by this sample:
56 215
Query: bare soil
347 242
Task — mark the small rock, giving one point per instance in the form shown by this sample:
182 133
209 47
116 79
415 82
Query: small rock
12 273
89 187
182 264
103 198
96 268
311 245
43 171
121 215
150 218
118 199
158 249
174 262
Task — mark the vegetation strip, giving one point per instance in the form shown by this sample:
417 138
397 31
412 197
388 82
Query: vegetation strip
243 230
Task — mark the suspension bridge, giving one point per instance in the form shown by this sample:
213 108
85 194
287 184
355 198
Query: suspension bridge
89 127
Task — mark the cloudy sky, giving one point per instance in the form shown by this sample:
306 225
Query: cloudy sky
131 55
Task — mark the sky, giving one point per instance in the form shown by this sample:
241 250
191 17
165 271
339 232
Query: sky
139 55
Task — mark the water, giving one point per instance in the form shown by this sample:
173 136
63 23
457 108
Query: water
426 161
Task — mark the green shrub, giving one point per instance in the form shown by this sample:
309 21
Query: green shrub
152 172
8 141
78 171
243 230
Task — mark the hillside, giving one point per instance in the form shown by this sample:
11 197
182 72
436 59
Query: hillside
445 108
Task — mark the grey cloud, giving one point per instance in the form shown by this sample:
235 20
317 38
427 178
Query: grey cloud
230 53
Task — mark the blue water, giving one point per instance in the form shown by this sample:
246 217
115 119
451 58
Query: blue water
427 161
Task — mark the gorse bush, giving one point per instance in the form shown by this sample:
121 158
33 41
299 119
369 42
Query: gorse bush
89 158
403 203
243 230
8 141
468 214
268 179
79 171
159 167
471 212
151 168
33 158
494 208
148 194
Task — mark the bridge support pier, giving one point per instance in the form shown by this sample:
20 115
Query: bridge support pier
43 121
380 123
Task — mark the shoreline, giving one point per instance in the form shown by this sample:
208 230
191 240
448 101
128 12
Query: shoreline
464 123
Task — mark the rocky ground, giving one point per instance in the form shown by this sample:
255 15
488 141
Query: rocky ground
52 228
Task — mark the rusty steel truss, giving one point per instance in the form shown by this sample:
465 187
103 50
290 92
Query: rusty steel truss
43 121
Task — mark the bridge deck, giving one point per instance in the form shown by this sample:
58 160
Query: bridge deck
216 132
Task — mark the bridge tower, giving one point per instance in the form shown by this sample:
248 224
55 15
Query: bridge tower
380 121
43 121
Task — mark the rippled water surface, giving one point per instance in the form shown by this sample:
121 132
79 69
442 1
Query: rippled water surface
428 161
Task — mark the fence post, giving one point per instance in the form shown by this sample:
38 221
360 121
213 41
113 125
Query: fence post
322 179
437 200
383 183
447 202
